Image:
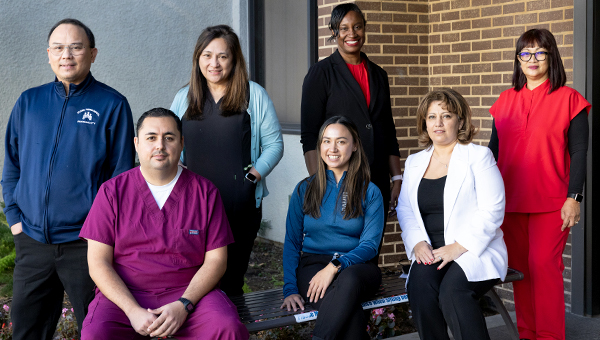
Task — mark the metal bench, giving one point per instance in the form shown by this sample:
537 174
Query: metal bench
260 310
511 276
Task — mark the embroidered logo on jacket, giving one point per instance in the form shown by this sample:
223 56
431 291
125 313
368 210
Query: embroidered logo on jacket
86 116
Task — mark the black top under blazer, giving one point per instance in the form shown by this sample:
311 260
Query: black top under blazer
329 90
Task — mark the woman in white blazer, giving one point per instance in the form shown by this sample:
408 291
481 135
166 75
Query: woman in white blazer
450 210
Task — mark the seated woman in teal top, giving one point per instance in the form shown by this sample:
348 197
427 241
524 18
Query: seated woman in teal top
334 226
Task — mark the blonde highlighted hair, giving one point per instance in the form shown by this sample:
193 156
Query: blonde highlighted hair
454 103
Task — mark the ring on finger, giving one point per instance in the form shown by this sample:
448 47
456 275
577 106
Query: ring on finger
441 259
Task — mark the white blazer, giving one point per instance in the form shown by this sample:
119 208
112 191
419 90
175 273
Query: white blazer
473 209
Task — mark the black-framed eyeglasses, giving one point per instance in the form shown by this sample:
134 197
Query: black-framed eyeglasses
74 49
526 56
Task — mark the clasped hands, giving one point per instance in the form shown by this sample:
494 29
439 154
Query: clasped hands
425 254
316 290
160 322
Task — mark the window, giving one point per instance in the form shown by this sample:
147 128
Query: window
282 48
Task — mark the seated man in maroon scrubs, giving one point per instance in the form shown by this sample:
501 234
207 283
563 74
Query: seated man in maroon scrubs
158 237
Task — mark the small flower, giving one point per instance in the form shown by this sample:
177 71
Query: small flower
5 307
391 316
378 311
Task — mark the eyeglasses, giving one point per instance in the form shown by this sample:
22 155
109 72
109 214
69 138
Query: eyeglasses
526 56
74 49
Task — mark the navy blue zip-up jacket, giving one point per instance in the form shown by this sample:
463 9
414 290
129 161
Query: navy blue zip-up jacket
59 149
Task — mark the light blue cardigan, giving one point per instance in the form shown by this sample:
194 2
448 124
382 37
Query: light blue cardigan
267 142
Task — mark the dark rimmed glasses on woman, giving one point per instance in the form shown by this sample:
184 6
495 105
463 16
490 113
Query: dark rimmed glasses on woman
526 56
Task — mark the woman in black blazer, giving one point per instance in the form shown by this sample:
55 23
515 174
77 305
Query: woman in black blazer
348 84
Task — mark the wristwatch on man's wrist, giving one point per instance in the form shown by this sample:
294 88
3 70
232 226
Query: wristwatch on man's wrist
187 304
577 197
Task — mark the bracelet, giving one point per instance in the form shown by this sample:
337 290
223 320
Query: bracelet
396 178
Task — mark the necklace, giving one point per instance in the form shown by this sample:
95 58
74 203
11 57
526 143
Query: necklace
444 164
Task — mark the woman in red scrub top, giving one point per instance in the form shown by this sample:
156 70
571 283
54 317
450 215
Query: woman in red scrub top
540 140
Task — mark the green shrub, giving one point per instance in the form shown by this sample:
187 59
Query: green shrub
7 256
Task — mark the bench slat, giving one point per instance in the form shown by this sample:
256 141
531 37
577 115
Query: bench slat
261 310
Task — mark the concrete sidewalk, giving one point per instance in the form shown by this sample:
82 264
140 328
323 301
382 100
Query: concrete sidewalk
577 328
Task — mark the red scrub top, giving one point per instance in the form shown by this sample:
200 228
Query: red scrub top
533 156
359 72
157 251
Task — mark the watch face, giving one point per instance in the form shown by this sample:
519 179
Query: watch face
336 262
251 177
189 307
576 197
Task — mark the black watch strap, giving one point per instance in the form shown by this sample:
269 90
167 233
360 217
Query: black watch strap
187 304
336 263
577 197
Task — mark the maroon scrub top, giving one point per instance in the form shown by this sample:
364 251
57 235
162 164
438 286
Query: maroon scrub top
533 156
157 251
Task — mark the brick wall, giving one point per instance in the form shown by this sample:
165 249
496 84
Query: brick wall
467 45
472 50
397 40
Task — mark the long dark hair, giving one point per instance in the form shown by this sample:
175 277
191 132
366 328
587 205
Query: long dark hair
234 99
556 71
354 186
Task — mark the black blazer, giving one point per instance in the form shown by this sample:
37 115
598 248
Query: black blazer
329 90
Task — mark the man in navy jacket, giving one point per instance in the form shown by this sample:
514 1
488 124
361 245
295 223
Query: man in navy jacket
63 140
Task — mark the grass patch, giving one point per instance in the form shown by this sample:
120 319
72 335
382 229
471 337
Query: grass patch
245 287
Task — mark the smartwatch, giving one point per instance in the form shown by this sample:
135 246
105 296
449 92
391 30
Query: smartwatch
187 304
336 263
577 197
250 177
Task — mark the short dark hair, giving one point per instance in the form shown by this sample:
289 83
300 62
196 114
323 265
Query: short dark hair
75 22
338 14
454 103
155 113
556 71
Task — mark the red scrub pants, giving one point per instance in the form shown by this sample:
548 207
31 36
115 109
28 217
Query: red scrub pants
535 245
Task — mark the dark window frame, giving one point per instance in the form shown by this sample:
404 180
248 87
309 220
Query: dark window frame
256 50
585 253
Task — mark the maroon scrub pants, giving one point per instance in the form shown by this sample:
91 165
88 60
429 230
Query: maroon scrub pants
215 317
